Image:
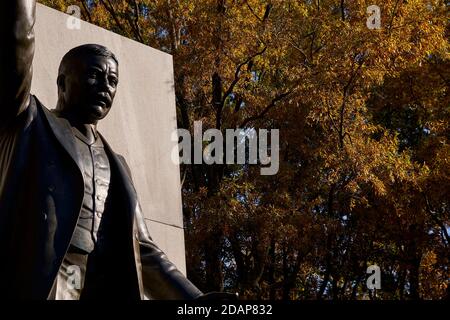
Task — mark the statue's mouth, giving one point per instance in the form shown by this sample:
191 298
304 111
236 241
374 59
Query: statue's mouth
101 103
102 100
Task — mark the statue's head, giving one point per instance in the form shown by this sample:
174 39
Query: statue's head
87 82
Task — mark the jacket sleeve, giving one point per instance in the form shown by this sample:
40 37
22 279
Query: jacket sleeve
16 56
161 278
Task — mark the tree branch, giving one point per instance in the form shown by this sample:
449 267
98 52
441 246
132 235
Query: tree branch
342 10
109 7
265 110
237 73
86 10
346 90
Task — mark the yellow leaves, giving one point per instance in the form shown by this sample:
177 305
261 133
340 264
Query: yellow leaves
434 279
429 260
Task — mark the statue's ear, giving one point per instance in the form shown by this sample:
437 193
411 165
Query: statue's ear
61 82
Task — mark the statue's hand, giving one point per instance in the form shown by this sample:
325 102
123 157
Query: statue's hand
218 296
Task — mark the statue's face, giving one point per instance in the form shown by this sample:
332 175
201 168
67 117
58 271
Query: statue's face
90 87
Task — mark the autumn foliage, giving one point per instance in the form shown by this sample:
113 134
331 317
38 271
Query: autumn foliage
363 115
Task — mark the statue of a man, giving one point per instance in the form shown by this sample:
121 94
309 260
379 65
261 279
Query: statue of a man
67 202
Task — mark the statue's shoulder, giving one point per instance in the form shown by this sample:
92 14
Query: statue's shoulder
36 107
56 124
118 156
31 111
35 103
124 163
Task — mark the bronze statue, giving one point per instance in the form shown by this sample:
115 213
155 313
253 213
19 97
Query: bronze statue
66 199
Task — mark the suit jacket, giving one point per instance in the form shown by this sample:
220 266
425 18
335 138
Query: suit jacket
41 193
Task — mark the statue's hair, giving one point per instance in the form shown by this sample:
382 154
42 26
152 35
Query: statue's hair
85 50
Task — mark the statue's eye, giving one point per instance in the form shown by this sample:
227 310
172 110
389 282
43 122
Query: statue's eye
92 74
113 81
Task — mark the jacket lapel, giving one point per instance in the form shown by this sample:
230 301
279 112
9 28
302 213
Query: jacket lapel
124 176
63 132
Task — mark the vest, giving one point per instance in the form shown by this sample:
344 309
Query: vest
97 174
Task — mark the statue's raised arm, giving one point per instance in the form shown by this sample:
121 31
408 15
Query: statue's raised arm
16 56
